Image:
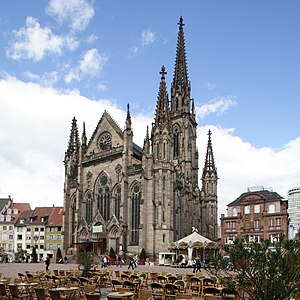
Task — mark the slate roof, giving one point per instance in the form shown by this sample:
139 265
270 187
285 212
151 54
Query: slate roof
265 194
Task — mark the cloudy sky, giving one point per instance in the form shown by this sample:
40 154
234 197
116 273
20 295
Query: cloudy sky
60 59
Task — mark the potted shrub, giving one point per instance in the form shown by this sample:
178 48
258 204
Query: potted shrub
142 257
59 258
112 256
85 261
34 255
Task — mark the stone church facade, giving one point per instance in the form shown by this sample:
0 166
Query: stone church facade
119 195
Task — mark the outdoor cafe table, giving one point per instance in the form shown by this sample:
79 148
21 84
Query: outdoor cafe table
28 287
120 295
68 291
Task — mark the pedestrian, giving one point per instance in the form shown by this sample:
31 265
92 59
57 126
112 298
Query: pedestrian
119 261
65 260
47 262
197 265
131 263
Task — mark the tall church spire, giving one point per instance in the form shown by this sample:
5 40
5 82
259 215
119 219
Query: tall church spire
180 86
74 143
162 116
128 119
72 154
209 165
84 138
209 194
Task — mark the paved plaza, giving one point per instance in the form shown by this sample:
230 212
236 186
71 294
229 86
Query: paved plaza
12 269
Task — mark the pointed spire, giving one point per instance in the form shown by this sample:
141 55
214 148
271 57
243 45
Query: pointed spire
84 138
74 143
146 148
128 119
209 165
162 116
180 80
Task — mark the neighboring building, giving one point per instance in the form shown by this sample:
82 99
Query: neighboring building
53 237
294 211
35 232
10 213
20 239
256 215
119 195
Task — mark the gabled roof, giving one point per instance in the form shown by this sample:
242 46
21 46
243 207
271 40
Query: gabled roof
24 215
56 217
112 123
3 203
40 215
265 194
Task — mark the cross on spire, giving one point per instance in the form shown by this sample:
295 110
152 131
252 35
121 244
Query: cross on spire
163 72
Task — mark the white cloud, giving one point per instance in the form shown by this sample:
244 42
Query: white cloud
46 79
148 37
76 13
37 122
91 64
34 42
218 105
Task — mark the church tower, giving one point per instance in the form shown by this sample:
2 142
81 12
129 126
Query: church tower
121 196
209 194
184 150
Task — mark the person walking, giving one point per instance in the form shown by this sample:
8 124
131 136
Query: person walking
197 265
47 262
119 261
131 263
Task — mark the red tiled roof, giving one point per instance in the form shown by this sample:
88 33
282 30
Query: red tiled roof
56 217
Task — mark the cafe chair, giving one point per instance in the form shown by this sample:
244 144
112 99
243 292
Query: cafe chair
92 296
16 293
41 293
144 294
195 286
158 291
55 295
211 293
116 283
3 292
186 296
170 291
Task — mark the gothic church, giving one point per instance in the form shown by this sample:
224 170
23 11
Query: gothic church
119 195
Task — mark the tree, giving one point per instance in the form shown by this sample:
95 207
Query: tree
261 270
59 258
34 255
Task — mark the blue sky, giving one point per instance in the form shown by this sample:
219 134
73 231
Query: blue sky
60 59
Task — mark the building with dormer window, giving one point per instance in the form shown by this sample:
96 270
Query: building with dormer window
256 215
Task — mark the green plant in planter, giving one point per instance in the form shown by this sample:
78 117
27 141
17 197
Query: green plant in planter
34 255
112 253
85 261
59 259
142 257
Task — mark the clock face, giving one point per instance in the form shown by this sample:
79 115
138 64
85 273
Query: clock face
105 141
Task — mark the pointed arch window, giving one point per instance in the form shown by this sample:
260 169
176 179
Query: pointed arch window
89 208
73 212
135 214
103 201
117 202
176 141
